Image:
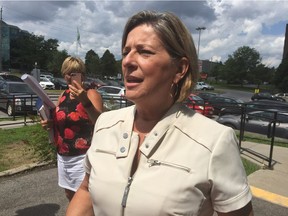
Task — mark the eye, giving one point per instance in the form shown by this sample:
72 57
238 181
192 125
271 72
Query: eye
145 52
125 52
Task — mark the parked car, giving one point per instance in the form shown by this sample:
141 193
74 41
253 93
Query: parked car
259 122
198 104
109 103
206 95
93 83
282 95
115 92
10 77
221 102
49 77
59 83
203 86
256 105
45 83
17 97
267 96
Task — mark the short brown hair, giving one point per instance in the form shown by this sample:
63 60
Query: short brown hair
73 65
176 39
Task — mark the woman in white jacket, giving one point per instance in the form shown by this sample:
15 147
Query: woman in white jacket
159 157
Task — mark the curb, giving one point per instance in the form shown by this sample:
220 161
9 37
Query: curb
270 197
24 168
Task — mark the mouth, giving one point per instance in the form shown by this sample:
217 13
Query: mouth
132 79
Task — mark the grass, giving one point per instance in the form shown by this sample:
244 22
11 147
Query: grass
28 144
258 138
249 166
24 145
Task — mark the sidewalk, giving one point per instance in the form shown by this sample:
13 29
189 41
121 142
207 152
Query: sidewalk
270 184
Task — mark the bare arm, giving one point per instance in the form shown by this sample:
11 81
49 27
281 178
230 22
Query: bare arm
81 204
97 105
245 211
91 100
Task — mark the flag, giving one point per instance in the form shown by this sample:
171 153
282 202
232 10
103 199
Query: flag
78 37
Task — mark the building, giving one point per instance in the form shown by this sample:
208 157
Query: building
8 33
205 68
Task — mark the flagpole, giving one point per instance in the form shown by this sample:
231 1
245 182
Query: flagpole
78 41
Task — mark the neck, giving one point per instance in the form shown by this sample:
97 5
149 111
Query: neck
146 119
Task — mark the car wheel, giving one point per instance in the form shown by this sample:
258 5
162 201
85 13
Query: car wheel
10 110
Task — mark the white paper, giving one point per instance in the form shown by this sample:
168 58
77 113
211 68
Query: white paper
47 102
35 86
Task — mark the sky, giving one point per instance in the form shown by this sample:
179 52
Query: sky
229 24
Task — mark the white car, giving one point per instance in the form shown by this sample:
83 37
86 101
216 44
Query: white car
46 76
45 83
117 94
203 86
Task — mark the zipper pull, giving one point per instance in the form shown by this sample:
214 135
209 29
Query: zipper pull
126 191
153 162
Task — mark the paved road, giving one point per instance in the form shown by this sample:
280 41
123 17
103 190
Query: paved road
36 193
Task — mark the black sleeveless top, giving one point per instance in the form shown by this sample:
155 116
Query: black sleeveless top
72 128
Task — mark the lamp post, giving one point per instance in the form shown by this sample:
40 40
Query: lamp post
199 29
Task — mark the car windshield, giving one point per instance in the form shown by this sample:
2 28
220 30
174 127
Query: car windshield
20 88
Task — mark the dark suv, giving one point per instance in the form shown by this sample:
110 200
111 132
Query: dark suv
17 97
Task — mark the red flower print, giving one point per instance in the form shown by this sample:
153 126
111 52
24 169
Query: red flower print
60 116
81 143
68 134
62 99
81 110
62 149
74 116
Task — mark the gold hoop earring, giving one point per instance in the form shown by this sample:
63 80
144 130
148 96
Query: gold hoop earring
174 90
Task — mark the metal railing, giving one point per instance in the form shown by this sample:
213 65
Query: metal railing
111 103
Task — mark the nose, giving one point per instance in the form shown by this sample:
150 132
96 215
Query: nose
129 60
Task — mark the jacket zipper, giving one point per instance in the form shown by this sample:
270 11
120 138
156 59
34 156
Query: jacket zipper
126 192
153 162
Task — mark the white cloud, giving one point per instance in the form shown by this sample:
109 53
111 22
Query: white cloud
229 24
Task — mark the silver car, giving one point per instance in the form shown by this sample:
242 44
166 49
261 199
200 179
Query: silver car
259 122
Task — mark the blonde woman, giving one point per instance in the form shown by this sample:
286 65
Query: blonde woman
73 123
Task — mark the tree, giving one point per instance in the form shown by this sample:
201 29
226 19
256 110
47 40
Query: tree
241 64
92 63
108 64
281 76
261 74
55 63
28 49
216 71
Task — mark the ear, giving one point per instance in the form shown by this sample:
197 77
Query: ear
183 66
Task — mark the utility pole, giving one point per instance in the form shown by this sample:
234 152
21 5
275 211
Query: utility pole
1 40
199 29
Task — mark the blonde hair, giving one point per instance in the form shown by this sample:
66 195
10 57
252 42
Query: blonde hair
73 65
176 39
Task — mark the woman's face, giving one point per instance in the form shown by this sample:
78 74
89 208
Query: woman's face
147 68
